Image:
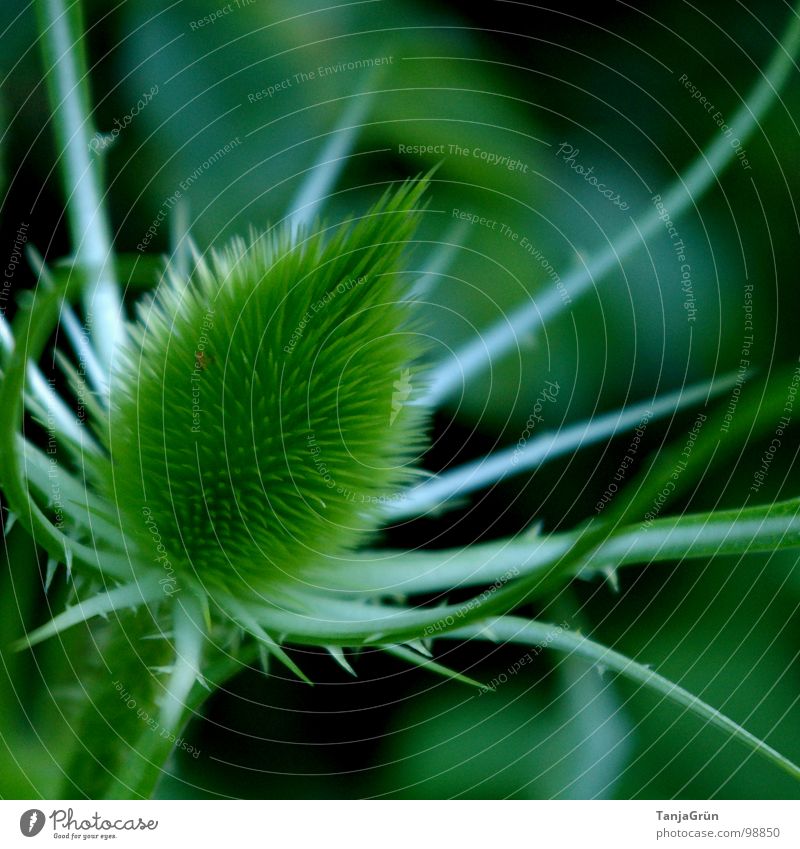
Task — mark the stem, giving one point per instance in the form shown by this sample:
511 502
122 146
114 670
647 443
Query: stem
350 623
144 764
503 337
322 175
142 591
521 571
143 767
719 443
454 484
732 533
61 28
42 397
95 371
189 638
32 327
516 630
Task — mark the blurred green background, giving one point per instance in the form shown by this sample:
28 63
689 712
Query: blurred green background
512 80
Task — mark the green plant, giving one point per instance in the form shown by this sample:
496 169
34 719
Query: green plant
222 521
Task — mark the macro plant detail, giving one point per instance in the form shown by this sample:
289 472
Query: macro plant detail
247 424
295 339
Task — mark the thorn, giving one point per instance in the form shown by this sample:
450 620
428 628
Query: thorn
535 529
412 657
612 577
39 266
105 141
278 652
264 658
52 565
491 634
337 653
159 635
206 611
273 647
418 646
372 639
68 559
11 520
601 669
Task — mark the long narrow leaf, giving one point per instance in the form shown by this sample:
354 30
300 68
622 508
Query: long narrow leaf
683 195
525 632
455 484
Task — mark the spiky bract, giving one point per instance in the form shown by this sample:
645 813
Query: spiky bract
261 411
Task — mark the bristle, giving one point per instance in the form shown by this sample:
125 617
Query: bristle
255 423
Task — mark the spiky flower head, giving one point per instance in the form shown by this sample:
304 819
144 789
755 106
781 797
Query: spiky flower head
255 425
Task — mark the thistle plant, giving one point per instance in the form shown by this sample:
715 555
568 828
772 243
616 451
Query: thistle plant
286 339
263 417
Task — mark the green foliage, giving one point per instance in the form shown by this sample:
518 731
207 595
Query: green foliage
268 401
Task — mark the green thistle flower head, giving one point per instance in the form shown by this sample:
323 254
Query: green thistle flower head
262 411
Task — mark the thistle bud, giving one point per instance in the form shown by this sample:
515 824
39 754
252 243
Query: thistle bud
255 425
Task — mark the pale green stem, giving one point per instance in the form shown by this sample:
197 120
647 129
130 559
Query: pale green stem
180 240
500 339
734 533
189 632
519 571
35 332
94 370
42 397
540 634
144 764
65 68
321 176
143 591
145 761
447 488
